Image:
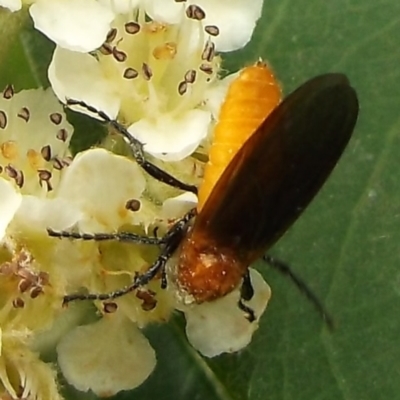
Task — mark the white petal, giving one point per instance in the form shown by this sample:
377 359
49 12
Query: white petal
169 12
100 183
78 76
220 326
169 138
107 356
37 214
12 5
175 207
120 6
236 20
73 24
10 200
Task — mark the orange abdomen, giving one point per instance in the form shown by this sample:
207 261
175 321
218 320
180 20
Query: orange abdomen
250 99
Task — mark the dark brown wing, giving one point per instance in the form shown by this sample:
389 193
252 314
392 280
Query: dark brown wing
280 168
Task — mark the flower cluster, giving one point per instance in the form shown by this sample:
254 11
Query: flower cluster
153 65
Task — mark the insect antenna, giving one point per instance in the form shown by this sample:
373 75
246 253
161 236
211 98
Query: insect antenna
137 149
285 269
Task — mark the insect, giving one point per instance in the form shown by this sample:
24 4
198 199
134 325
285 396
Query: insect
264 188
267 185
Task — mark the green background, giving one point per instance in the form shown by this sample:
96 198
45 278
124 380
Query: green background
346 245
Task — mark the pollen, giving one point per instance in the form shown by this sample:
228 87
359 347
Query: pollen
154 27
35 159
122 211
9 150
166 51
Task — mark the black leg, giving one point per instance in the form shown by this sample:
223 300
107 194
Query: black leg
137 149
247 290
172 239
246 294
98 237
248 312
302 286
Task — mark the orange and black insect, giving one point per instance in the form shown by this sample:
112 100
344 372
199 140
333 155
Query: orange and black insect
261 187
267 185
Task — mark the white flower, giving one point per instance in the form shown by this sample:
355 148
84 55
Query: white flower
156 77
34 140
159 77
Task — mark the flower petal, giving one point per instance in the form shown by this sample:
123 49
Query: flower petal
37 214
175 207
73 24
107 182
10 200
120 6
12 5
220 326
107 356
172 138
79 77
236 20
165 11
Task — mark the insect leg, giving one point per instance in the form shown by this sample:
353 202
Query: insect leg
246 294
248 312
137 150
172 239
303 287
247 290
99 237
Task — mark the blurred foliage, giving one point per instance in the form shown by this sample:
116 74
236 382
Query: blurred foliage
345 245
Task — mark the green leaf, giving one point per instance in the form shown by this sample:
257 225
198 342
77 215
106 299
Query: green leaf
14 67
